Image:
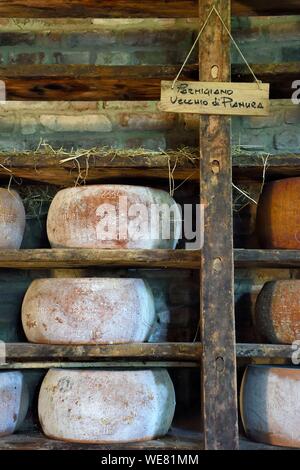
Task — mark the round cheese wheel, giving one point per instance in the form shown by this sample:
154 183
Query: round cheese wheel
270 405
12 219
13 401
106 406
277 311
113 216
278 215
88 311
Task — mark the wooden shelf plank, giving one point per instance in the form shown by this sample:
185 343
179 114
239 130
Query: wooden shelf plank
37 441
44 167
81 257
22 352
136 8
251 166
180 259
92 83
267 351
267 258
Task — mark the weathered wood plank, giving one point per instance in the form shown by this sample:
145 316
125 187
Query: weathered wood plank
135 351
36 441
81 257
267 258
251 166
143 82
97 364
135 8
182 259
219 388
267 351
44 167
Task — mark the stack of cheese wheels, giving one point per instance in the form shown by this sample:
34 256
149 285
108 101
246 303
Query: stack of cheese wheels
277 312
278 216
13 402
113 216
12 219
88 311
270 405
106 406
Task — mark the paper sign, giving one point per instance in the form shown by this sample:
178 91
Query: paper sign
226 98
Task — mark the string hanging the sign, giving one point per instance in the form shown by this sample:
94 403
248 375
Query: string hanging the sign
214 10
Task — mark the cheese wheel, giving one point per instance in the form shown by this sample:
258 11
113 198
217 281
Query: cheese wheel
12 219
277 311
88 311
278 215
106 406
113 216
270 405
13 402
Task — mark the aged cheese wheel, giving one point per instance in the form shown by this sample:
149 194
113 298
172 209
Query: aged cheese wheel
88 311
270 405
278 215
12 219
13 401
113 216
106 406
277 312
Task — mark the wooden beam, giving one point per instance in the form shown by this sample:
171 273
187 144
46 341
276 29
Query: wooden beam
219 387
142 82
81 257
179 259
100 166
267 258
181 352
37 441
251 166
136 8
98 364
264 351
45 167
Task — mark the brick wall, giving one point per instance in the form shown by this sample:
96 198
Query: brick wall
137 124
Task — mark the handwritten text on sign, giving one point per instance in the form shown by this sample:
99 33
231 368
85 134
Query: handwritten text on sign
241 99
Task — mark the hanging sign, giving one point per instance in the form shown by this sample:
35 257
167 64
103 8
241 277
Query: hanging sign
225 98
239 99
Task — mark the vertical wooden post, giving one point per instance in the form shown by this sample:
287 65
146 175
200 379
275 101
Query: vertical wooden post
219 390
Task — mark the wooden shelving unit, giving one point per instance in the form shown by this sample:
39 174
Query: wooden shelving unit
218 350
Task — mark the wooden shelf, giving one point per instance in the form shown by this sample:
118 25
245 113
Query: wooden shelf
181 352
176 440
81 257
264 351
251 166
136 8
44 167
34 356
59 258
37 441
267 258
96 82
